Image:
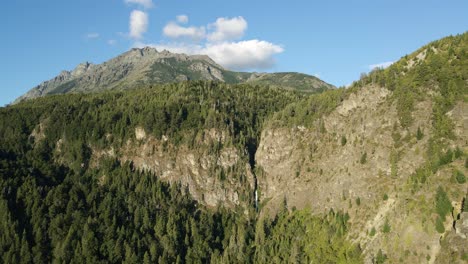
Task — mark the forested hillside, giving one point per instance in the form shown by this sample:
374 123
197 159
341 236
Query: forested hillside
59 206
202 171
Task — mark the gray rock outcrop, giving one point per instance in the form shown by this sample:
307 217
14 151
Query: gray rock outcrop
461 225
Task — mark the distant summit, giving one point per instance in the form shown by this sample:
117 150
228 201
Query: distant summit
138 67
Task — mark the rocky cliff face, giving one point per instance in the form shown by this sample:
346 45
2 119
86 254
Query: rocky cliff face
221 178
360 160
321 159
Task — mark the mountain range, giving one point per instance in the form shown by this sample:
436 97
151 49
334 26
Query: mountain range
139 67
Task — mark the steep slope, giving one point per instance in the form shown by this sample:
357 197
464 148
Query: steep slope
139 67
289 80
381 151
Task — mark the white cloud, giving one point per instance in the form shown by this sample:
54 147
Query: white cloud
138 24
144 3
174 31
242 55
224 29
182 19
381 65
250 54
112 42
227 29
219 43
93 35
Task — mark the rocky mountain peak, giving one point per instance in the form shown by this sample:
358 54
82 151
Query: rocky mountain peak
142 52
81 69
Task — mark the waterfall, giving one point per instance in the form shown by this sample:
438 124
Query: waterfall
256 200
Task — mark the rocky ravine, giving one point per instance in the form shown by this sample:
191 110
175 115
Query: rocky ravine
313 168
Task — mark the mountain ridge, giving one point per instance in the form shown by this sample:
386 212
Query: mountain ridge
141 66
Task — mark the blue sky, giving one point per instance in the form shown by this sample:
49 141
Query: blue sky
335 40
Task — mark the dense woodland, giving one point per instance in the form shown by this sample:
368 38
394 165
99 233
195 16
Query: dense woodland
74 213
71 212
